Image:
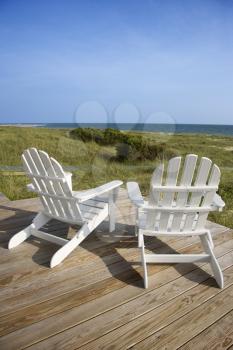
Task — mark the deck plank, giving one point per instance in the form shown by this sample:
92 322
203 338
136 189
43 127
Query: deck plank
218 336
177 333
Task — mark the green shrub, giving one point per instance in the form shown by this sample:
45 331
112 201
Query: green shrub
88 134
128 146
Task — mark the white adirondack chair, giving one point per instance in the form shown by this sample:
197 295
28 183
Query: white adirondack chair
85 208
179 208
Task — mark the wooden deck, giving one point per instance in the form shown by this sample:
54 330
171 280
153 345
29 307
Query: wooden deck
95 299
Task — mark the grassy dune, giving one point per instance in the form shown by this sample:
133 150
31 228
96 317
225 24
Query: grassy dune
94 164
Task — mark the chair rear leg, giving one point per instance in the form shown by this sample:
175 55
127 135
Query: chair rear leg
40 220
136 230
218 275
210 240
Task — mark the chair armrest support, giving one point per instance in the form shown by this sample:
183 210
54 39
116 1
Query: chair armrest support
218 204
68 176
83 196
134 194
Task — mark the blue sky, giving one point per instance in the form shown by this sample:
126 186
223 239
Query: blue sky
170 60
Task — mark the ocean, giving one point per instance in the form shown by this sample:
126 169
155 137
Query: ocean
165 128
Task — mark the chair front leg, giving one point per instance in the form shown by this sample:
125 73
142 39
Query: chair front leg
39 220
136 221
64 251
112 196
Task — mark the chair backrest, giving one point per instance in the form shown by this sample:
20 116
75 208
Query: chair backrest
183 194
51 183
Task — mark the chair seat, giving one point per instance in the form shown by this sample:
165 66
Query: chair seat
92 208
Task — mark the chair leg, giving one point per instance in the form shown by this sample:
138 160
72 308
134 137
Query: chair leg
140 239
40 220
143 259
112 209
64 251
84 231
210 240
218 275
137 223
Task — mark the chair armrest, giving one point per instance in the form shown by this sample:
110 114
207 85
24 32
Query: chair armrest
134 194
218 204
83 196
30 188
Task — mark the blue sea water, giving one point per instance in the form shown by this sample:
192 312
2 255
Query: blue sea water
165 128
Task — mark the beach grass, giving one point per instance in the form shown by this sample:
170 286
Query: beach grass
93 164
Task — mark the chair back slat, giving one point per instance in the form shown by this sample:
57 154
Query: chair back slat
186 180
31 168
182 206
71 206
154 197
43 169
209 196
196 197
51 184
168 197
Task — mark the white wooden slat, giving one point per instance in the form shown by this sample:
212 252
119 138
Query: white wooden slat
90 209
208 198
174 233
134 193
65 190
68 201
154 196
190 189
186 180
82 196
44 184
39 170
201 179
48 237
70 206
52 178
95 203
168 197
176 258
29 170
30 166
89 213
181 209
53 186
41 166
